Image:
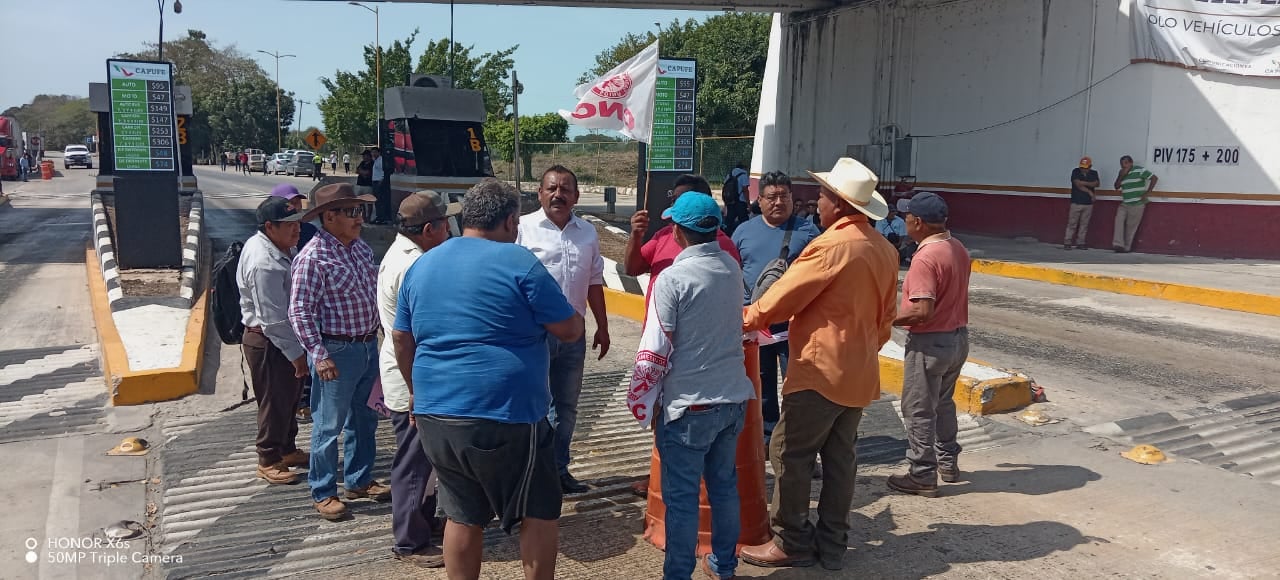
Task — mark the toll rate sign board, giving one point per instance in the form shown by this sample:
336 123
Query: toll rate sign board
671 148
142 116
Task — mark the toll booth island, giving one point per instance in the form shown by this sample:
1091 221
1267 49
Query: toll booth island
436 136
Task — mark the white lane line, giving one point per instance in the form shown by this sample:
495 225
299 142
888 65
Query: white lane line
63 517
47 364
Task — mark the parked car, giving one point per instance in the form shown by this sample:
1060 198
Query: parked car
76 155
275 165
258 162
302 163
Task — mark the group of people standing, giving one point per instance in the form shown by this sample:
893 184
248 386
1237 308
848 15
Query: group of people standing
483 350
1135 184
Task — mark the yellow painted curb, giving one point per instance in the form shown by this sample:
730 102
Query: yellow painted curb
127 387
1212 297
624 304
972 396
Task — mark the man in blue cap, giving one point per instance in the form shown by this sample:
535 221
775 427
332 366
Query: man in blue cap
290 193
935 312
691 351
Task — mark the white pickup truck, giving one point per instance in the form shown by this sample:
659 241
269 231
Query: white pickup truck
76 155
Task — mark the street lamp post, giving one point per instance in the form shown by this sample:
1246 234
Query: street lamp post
177 9
377 68
301 103
278 56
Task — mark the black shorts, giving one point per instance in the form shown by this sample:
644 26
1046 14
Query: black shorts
485 468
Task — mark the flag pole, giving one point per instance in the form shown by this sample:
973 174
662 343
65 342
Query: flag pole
648 174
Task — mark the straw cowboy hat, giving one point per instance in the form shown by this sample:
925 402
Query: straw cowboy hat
335 196
856 184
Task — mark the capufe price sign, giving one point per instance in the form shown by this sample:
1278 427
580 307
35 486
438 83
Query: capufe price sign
142 121
671 147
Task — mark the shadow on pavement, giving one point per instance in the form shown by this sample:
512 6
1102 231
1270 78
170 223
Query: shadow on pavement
1024 479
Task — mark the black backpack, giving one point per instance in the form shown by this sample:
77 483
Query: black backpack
729 191
225 296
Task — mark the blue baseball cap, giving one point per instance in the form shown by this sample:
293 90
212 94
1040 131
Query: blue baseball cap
696 211
929 207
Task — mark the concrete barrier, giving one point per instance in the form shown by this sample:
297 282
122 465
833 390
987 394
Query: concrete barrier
129 387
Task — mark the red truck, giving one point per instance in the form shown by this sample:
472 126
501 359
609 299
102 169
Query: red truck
11 147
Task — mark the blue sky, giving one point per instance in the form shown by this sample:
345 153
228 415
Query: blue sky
63 44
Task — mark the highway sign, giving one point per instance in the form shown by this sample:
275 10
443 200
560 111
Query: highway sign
673 116
142 120
315 139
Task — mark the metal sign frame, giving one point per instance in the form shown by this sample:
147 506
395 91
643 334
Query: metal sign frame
157 101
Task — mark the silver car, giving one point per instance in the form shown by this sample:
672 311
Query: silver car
301 163
275 165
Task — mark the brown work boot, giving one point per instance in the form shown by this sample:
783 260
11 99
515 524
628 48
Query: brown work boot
332 509
277 474
769 555
432 557
298 458
949 475
375 491
907 484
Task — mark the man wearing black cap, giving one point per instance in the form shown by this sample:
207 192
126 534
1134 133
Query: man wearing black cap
277 362
935 312
421 224
333 307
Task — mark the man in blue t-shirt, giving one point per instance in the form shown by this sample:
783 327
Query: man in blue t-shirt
760 242
471 322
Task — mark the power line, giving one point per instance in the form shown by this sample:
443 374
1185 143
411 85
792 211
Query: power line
1031 114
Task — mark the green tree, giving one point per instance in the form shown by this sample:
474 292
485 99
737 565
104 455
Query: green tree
536 132
731 50
243 114
350 108
61 119
208 69
487 73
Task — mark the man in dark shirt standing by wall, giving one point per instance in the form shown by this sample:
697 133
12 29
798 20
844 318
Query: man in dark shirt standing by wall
1084 184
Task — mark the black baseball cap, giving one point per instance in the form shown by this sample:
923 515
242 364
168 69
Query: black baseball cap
929 207
276 209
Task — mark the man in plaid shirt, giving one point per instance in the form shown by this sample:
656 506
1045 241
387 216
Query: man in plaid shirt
333 308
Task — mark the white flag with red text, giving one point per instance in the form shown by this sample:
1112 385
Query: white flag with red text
622 99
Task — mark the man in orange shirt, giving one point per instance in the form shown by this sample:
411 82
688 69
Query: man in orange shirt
935 311
839 296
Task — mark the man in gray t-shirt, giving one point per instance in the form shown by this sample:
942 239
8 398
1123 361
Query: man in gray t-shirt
696 303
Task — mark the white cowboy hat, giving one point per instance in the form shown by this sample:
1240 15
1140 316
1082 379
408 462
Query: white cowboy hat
856 184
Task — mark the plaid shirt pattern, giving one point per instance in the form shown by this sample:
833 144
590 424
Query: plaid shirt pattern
334 291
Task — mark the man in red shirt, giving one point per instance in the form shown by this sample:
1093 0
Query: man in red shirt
654 256
935 312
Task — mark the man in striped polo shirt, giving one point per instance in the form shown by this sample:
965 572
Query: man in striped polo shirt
1135 184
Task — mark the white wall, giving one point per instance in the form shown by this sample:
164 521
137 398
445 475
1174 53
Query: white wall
964 65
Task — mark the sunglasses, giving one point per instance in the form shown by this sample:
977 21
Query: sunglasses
354 211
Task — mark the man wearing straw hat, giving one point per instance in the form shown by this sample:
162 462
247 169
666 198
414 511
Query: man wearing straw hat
840 296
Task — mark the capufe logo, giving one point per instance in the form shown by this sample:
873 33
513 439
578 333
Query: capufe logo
122 71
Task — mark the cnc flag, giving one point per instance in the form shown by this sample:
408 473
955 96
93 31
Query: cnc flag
622 99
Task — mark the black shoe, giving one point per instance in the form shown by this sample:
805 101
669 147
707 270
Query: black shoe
570 485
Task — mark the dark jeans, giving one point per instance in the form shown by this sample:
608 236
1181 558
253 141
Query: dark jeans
930 370
812 424
773 357
277 392
413 503
382 208
565 381
738 214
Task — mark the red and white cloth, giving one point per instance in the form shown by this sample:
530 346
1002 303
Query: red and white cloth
653 360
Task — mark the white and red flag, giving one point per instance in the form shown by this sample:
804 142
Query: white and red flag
622 99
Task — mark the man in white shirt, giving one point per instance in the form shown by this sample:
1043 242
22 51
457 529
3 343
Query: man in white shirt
421 224
277 362
570 249
383 205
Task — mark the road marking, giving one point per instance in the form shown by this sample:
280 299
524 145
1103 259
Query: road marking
51 400
47 364
63 519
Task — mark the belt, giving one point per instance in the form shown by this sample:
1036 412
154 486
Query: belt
371 337
253 329
700 408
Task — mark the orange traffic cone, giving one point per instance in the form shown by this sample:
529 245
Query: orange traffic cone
753 506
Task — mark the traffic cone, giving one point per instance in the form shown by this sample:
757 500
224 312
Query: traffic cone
753 505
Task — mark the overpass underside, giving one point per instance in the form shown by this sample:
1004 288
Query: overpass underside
703 5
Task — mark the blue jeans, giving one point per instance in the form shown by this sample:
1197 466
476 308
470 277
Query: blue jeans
567 360
701 445
342 405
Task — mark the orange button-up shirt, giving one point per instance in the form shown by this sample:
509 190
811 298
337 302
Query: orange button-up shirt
840 296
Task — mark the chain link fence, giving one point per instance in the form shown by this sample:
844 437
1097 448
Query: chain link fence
607 163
